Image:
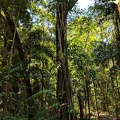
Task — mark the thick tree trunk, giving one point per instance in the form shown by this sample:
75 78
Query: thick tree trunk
117 33
24 63
64 92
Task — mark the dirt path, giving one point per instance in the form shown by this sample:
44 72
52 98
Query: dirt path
107 117
104 116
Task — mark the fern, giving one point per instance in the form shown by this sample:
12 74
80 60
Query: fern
38 94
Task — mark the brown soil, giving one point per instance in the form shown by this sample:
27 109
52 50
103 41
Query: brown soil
104 116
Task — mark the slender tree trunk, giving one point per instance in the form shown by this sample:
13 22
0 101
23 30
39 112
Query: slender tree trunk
96 101
42 81
85 102
88 97
64 90
5 85
15 89
80 104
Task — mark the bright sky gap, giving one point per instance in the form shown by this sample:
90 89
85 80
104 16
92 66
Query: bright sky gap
85 3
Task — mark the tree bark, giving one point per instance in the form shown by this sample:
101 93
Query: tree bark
64 90
5 85
117 33
80 104
24 63
96 101
88 97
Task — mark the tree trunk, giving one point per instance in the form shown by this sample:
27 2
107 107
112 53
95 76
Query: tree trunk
24 64
5 85
42 81
96 101
80 104
117 33
64 90
88 97
85 102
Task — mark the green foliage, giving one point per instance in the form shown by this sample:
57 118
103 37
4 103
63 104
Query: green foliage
10 116
38 94
92 57
16 8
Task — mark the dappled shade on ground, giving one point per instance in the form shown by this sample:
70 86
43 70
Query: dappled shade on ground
104 116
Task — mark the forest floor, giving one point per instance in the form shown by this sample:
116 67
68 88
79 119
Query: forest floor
103 116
